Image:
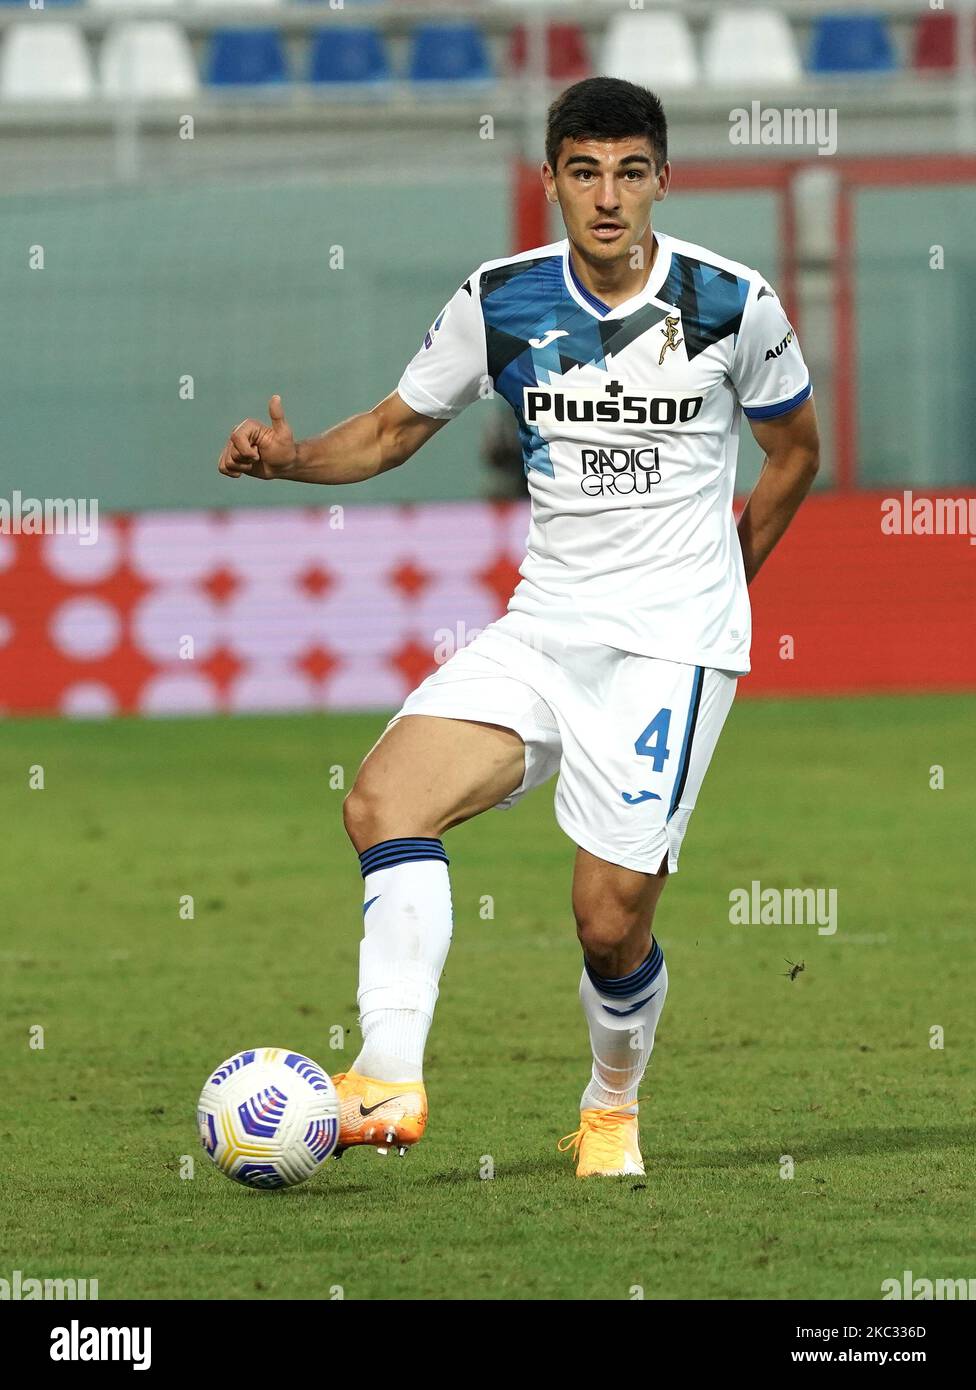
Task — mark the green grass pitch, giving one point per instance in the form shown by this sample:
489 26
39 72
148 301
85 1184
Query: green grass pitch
834 1069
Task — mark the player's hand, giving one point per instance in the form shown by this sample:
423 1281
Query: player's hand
257 450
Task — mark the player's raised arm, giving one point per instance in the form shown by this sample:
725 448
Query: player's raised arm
446 374
350 452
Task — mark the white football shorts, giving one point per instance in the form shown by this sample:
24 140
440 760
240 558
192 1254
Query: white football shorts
630 736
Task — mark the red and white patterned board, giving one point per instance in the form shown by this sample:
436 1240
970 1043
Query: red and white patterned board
283 609
288 611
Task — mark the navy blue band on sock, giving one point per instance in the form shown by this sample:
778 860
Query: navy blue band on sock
637 980
388 853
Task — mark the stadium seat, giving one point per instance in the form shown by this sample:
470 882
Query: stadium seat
653 49
147 58
449 53
246 58
127 5
568 59
934 46
852 43
750 46
344 55
45 62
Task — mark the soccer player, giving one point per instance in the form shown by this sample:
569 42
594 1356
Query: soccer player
628 358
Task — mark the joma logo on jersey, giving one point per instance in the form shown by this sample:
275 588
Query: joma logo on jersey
780 348
619 472
607 407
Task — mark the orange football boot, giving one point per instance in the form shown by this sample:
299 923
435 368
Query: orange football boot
386 1114
606 1144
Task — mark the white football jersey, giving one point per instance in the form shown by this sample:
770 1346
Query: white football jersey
629 421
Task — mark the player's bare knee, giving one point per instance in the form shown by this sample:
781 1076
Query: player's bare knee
604 930
362 815
373 811
353 815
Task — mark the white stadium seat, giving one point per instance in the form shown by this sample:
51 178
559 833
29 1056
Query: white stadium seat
750 46
129 4
241 4
653 49
45 62
147 58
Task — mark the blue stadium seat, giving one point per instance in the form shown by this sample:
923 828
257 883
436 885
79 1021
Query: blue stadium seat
349 55
246 57
449 53
852 43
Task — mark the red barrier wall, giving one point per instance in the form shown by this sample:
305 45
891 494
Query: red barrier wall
286 612
867 611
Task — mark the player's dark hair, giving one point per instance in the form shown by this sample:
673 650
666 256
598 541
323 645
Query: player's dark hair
606 108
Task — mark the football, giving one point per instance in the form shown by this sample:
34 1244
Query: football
268 1117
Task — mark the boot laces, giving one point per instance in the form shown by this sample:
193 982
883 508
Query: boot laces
601 1122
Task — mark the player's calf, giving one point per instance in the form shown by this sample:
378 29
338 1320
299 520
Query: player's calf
622 991
424 775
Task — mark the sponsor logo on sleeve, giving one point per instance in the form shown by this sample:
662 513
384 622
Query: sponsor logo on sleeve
780 348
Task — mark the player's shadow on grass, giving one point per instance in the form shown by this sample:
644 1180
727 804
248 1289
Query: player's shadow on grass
845 1143
842 1143
540 1167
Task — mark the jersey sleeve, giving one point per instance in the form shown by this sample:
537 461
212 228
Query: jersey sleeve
768 372
451 365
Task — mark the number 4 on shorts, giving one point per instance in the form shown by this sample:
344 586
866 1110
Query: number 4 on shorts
653 742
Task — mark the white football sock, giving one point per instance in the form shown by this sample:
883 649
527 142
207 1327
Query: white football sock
622 1015
407 919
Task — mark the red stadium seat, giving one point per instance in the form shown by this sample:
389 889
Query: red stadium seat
568 56
934 47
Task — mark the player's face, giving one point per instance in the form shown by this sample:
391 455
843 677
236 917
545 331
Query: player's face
605 190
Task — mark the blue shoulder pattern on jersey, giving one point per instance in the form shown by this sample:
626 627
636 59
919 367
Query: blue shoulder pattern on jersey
711 301
535 330
521 302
